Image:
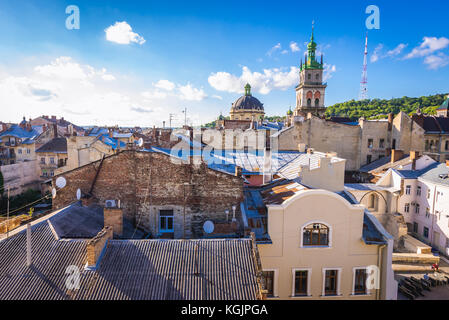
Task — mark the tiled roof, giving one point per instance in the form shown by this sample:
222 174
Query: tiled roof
56 145
128 269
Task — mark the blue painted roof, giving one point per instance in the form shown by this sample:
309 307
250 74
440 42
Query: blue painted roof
26 136
111 141
96 131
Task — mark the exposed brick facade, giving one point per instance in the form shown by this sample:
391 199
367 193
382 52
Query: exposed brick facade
147 182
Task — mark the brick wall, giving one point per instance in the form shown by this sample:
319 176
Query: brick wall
146 182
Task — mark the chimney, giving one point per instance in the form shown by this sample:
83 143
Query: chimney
110 133
310 150
23 124
44 127
414 155
302 147
238 171
55 130
53 117
267 176
29 253
396 155
70 129
113 217
29 127
96 246
390 121
447 163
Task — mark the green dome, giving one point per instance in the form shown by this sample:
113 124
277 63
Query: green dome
445 104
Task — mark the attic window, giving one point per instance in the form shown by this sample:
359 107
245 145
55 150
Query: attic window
444 176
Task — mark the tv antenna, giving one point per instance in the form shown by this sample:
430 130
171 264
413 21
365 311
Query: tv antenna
363 95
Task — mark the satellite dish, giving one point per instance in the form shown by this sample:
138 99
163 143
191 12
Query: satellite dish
208 226
61 182
140 142
53 193
78 194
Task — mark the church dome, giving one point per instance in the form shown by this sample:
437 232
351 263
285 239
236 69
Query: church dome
247 102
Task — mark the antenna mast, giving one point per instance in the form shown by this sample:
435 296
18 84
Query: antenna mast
363 95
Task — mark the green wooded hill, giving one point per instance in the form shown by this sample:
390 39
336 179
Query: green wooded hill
380 108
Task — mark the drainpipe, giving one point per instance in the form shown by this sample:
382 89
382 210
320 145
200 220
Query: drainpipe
379 266
433 213
29 257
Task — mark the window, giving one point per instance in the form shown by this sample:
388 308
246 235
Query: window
269 282
317 76
446 145
360 276
407 207
309 76
19 151
166 221
301 283
426 232
52 160
418 191
428 193
28 151
381 143
316 234
427 212
52 173
317 102
370 143
44 173
408 189
309 102
330 282
393 145
43 160
427 147
415 227
368 158
417 208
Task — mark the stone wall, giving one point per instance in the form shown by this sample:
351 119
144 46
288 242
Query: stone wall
147 182
20 176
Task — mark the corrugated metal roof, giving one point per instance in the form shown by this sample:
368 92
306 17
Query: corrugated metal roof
128 269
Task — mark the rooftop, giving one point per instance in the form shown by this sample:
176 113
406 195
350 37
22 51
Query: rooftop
55 145
128 269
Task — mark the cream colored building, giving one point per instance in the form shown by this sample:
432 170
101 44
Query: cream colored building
247 107
360 143
82 150
316 243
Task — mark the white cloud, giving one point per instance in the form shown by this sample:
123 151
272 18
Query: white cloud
284 51
165 85
396 51
217 97
329 70
294 47
264 83
436 61
428 46
188 92
274 49
86 95
122 33
376 54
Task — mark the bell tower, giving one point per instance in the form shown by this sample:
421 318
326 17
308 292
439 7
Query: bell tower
311 89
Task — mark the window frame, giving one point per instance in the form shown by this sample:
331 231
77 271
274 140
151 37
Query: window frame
161 230
338 289
367 290
329 242
275 282
408 189
309 280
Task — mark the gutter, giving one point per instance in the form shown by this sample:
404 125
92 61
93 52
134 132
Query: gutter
379 266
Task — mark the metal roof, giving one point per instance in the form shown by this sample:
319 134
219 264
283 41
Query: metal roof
128 269
56 145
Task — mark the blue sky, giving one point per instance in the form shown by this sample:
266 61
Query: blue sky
196 54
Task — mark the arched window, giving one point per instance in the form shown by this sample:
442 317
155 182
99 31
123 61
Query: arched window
317 102
317 76
309 102
315 234
309 76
